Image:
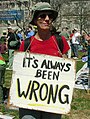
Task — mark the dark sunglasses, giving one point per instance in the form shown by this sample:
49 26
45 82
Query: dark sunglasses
43 16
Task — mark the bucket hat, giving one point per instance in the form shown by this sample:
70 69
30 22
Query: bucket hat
9 27
42 6
75 29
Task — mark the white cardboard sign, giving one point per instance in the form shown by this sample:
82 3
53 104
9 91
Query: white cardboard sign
42 82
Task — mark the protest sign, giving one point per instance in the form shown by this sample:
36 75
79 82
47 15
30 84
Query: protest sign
82 78
42 82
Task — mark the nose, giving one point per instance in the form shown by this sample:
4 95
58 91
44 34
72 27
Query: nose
47 17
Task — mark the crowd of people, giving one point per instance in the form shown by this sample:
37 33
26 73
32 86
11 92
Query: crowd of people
76 41
10 41
43 42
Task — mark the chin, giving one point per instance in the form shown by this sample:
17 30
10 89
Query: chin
45 28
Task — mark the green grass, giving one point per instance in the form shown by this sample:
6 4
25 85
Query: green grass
80 106
5 110
79 65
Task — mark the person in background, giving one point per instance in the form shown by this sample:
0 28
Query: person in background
43 42
2 76
76 42
19 33
87 37
13 42
3 46
30 32
66 34
71 35
84 42
4 36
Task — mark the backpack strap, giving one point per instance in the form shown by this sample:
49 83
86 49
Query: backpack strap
58 38
26 43
59 41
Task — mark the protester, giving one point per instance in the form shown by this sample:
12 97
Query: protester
13 42
43 43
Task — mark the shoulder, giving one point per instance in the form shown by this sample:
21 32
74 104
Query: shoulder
25 43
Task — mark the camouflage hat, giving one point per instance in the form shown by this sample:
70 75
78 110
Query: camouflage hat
42 6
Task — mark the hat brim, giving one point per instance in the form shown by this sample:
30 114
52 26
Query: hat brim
55 14
9 27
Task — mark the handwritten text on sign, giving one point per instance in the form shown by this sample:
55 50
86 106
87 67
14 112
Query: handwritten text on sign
42 82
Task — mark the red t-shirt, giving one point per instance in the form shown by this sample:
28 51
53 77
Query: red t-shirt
48 46
71 35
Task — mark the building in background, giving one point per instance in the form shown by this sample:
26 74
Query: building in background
72 13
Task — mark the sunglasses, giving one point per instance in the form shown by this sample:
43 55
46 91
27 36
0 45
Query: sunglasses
43 16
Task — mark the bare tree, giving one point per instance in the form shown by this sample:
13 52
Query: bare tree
74 12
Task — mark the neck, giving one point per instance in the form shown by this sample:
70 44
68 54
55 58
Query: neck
43 35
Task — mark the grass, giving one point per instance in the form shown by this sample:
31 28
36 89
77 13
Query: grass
80 106
5 110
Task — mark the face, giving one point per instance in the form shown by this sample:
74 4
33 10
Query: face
10 30
44 20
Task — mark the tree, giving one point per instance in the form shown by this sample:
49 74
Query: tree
72 13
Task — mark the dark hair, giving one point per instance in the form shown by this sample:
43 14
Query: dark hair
65 28
30 27
4 33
